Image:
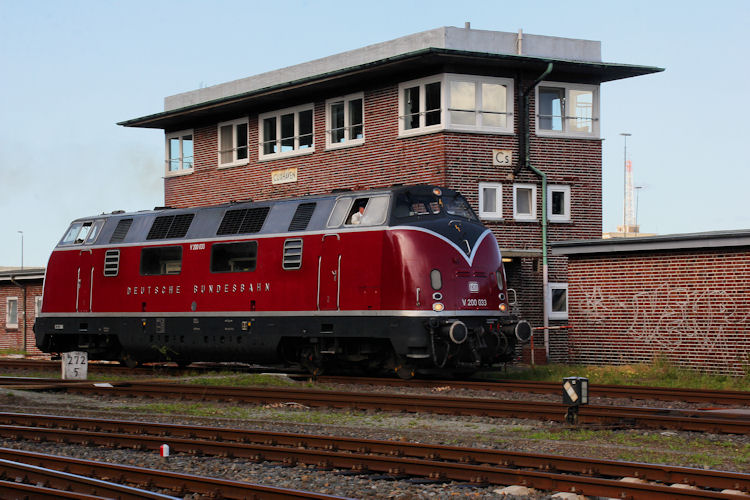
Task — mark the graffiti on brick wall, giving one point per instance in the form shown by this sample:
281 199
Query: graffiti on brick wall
670 318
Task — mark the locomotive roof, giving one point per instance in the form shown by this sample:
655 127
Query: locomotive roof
263 217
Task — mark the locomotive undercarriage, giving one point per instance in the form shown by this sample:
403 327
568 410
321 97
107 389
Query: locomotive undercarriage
364 344
442 346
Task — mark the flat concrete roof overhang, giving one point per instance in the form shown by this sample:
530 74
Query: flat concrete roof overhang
689 241
18 274
414 64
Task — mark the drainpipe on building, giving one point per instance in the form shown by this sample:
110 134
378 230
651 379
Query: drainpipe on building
526 162
23 294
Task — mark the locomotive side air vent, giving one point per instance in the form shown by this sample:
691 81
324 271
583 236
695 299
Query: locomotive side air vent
170 226
302 217
242 221
292 254
123 225
112 262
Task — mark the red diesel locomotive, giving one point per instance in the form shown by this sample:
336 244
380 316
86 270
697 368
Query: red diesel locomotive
403 278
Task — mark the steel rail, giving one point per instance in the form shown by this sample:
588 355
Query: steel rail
689 420
578 465
173 481
740 398
65 481
477 474
727 397
28 491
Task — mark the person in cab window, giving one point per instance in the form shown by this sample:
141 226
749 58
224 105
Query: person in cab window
357 216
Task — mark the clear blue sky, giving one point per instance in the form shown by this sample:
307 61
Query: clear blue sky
72 69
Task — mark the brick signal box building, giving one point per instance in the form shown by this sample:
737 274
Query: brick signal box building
453 107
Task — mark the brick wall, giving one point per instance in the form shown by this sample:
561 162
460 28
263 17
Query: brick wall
691 307
384 159
12 338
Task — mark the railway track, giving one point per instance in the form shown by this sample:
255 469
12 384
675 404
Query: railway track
36 365
718 397
726 422
738 398
437 462
65 477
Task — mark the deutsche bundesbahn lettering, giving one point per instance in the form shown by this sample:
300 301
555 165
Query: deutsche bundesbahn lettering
200 289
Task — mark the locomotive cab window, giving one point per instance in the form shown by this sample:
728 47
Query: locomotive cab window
368 211
339 212
82 232
238 257
161 260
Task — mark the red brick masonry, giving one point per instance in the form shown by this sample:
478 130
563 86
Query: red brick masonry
691 307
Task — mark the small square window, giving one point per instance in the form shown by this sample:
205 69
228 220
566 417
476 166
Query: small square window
558 203
490 200
557 301
524 202
11 312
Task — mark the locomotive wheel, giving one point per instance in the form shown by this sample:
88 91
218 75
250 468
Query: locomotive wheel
126 360
404 372
311 363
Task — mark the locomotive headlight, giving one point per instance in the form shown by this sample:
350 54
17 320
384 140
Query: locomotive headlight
503 307
438 306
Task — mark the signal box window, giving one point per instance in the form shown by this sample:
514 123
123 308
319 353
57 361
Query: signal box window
179 152
420 104
567 110
479 103
558 203
233 143
490 200
287 132
234 257
345 119
524 202
161 260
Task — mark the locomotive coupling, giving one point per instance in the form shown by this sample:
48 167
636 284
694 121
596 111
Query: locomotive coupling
521 330
456 331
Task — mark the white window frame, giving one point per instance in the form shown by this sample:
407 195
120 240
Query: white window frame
557 315
497 214
278 114
348 142
559 188
478 109
594 89
445 79
37 306
8 323
234 162
182 170
422 128
525 217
